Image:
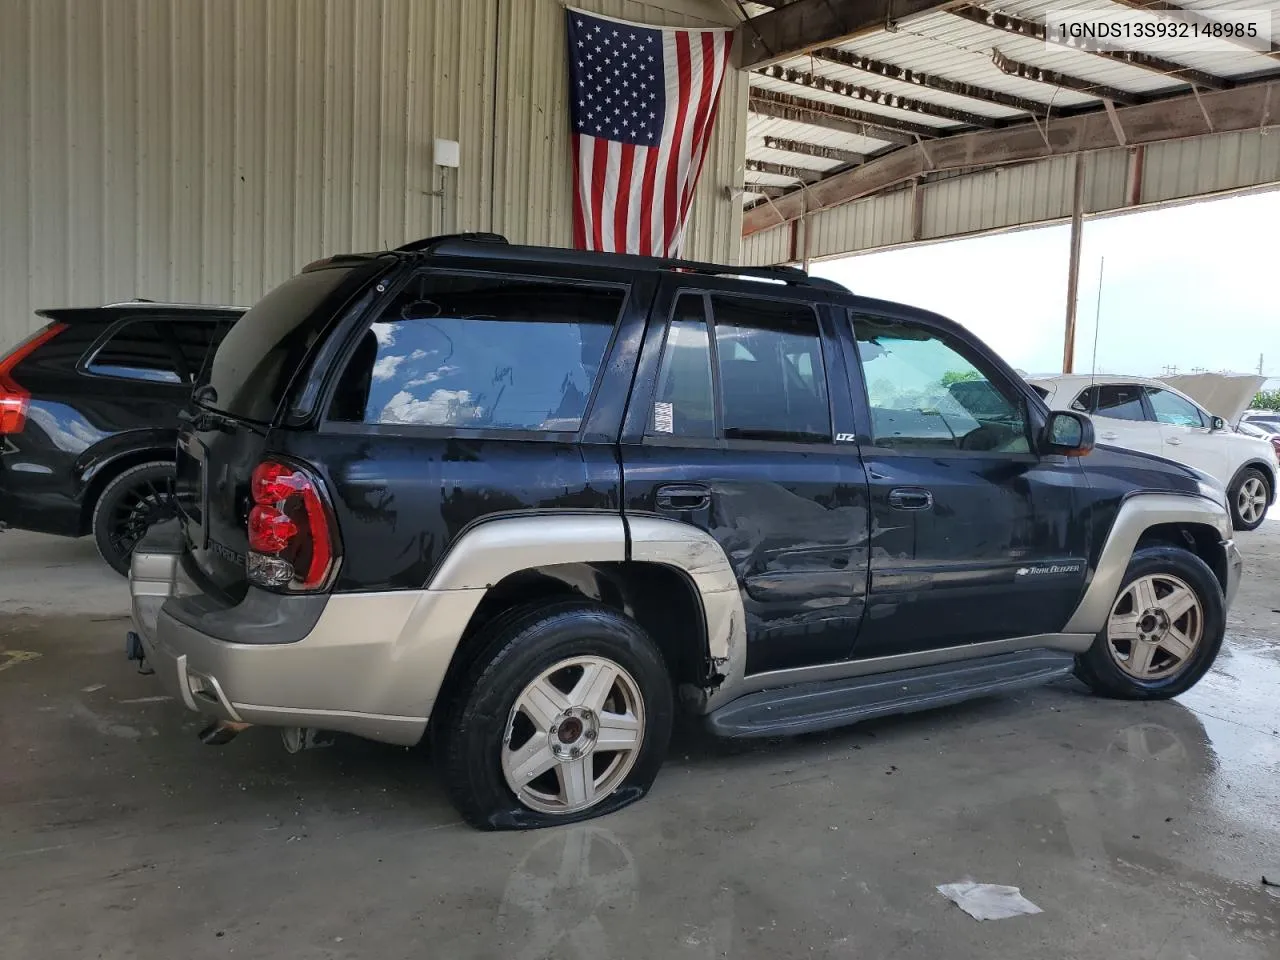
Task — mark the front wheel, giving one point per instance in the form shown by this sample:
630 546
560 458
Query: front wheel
564 715
1249 496
129 506
1164 630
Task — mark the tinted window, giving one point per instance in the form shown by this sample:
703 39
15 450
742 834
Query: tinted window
1269 422
261 352
684 404
773 384
481 353
926 394
1118 402
1173 409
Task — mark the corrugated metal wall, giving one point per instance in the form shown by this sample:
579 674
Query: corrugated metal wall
204 149
1030 193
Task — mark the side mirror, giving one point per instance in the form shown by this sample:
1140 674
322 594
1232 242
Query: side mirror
1068 434
1217 423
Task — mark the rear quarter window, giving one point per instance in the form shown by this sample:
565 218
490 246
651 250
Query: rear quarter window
481 352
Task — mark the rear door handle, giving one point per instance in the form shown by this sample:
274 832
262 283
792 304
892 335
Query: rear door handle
910 498
683 496
1174 441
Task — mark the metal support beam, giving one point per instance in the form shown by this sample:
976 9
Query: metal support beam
1037 31
1073 265
803 174
819 114
877 97
804 24
766 189
813 150
1026 71
1251 107
1184 13
855 61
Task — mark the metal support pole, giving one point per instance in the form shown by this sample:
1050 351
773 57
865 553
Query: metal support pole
1073 265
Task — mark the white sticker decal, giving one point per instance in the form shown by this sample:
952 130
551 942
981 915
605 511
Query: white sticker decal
662 418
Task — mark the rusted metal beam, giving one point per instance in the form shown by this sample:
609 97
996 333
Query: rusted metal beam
805 24
1073 265
1185 13
1037 31
766 189
803 174
1016 68
1250 107
813 150
876 97
929 81
819 114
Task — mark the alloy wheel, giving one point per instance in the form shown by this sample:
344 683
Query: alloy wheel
1155 627
1251 500
573 735
140 508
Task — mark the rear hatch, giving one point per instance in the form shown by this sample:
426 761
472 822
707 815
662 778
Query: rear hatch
256 380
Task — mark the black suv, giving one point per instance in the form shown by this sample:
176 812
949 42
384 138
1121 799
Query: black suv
88 418
528 500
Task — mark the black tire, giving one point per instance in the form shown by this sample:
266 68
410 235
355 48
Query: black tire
129 505
1098 667
1233 498
469 723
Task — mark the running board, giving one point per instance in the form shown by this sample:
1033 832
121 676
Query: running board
810 707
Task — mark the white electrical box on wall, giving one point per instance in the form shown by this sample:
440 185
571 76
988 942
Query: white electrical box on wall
447 153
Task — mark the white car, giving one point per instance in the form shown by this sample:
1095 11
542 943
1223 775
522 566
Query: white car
1152 417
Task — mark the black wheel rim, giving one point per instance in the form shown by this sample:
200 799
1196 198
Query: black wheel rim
137 510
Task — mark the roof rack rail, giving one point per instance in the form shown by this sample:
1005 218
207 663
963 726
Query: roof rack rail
462 245
416 246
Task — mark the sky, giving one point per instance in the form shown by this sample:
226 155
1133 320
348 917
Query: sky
1196 285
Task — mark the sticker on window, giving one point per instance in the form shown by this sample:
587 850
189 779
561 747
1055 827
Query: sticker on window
663 420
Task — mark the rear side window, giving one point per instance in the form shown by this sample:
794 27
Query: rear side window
767 360
1116 401
257 358
481 352
166 350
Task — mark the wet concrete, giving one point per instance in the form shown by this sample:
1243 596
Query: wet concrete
1141 830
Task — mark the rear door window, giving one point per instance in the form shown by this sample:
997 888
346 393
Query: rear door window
481 352
160 349
1115 401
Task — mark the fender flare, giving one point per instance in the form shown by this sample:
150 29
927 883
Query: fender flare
1138 514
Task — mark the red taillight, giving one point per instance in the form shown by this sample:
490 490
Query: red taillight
14 400
291 530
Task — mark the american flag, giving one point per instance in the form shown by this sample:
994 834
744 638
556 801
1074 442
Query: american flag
642 104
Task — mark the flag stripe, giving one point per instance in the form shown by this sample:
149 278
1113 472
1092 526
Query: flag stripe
679 153
622 196
635 201
600 177
716 50
646 213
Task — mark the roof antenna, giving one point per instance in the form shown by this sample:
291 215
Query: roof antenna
1097 321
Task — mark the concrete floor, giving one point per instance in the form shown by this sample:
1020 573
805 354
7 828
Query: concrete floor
1141 830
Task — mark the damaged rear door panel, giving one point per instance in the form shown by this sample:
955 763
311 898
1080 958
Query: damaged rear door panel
731 427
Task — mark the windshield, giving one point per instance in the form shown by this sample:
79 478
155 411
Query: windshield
257 358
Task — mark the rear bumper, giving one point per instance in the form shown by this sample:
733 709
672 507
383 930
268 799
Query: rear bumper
367 666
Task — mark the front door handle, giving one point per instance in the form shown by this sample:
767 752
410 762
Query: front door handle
1174 441
683 496
1108 436
910 498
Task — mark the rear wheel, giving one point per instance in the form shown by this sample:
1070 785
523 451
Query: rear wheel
1249 495
128 507
1164 630
563 716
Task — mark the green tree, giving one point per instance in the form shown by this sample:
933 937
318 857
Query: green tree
959 376
1266 400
